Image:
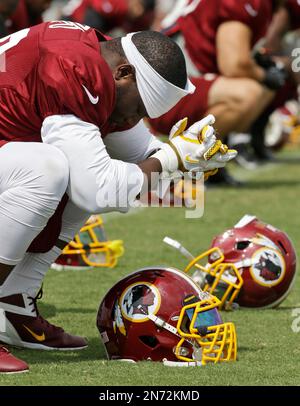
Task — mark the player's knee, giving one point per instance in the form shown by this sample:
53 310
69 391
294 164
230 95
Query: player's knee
247 94
88 200
54 169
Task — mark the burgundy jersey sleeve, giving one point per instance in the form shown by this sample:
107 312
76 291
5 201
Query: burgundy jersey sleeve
256 14
73 78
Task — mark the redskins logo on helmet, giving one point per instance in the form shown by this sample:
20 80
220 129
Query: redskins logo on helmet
268 267
160 314
90 248
253 265
139 301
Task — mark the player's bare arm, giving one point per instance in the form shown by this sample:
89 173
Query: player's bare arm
279 26
234 52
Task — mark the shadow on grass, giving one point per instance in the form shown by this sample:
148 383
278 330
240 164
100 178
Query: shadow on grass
48 310
257 185
288 160
95 351
282 159
250 349
269 184
285 308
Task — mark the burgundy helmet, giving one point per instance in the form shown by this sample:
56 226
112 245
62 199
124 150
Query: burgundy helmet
253 264
160 314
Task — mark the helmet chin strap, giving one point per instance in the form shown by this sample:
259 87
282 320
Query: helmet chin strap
182 363
199 277
169 363
163 324
244 264
131 361
179 247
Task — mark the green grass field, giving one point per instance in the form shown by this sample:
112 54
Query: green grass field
268 350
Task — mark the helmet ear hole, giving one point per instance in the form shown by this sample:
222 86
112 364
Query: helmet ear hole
150 341
282 246
209 279
242 245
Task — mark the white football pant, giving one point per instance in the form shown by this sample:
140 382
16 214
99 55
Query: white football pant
28 275
33 179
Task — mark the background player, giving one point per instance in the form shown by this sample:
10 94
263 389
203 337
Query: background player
217 38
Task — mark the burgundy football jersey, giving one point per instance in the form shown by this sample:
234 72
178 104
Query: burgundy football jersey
53 68
293 7
200 21
114 12
107 15
21 18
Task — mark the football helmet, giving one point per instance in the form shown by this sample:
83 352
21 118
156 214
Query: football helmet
161 314
252 264
177 192
283 126
90 248
191 192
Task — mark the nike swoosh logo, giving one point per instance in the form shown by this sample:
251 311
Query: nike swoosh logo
38 337
250 10
190 160
92 99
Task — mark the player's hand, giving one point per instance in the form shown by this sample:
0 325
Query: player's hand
275 71
195 149
275 77
263 58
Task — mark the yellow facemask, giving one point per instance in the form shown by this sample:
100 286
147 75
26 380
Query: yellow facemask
218 278
200 324
93 247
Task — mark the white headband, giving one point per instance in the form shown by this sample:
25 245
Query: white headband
158 95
